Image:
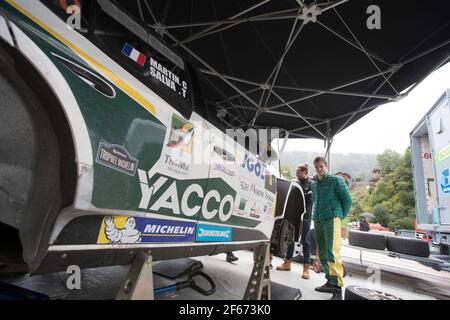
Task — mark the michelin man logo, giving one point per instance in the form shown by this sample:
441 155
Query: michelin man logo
127 234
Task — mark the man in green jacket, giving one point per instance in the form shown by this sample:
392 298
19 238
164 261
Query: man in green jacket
331 204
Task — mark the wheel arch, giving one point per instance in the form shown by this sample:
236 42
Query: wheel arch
54 93
60 105
291 207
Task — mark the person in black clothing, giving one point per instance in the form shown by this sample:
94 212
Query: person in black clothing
363 224
305 183
231 257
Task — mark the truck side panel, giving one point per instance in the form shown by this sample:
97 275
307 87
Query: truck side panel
439 131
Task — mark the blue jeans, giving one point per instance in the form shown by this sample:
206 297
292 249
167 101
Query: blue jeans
305 241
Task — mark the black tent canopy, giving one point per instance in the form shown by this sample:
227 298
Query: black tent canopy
311 68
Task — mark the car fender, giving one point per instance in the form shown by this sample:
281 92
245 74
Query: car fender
62 91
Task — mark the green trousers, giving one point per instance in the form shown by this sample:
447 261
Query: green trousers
328 235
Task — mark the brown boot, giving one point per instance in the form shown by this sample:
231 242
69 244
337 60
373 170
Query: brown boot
305 274
285 266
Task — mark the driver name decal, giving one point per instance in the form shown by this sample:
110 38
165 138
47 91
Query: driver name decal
168 78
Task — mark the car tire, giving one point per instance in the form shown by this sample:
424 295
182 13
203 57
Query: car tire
367 240
282 237
363 293
444 250
412 247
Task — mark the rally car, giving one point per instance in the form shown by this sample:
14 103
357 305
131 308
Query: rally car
108 148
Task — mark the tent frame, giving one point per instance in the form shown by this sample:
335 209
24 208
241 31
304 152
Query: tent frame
270 87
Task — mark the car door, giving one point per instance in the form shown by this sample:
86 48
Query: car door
256 193
214 224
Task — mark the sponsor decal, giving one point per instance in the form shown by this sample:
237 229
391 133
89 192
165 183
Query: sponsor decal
245 186
241 206
134 54
176 165
269 196
222 168
116 157
211 233
445 181
255 211
167 194
121 229
165 76
270 183
253 166
442 155
258 192
271 210
181 135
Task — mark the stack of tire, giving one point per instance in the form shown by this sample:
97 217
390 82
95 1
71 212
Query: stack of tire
377 241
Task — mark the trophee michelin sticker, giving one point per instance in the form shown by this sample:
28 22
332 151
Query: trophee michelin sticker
116 157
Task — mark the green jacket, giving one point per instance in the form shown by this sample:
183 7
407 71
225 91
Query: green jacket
331 197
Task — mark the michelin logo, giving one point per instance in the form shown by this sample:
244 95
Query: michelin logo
144 230
159 229
212 233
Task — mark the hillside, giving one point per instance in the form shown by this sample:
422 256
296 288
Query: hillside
356 164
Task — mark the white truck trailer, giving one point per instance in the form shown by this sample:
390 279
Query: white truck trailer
430 150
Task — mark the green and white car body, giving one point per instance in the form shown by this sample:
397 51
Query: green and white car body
149 176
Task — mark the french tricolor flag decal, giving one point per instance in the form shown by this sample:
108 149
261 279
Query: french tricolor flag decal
133 54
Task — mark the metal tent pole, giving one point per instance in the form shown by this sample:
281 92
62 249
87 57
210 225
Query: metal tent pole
328 142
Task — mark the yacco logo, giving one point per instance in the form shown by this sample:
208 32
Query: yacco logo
253 166
193 198
213 233
122 229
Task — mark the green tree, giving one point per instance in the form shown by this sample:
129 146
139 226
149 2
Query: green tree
388 161
403 223
392 199
286 171
359 194
381 215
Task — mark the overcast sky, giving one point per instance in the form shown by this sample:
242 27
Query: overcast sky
388 126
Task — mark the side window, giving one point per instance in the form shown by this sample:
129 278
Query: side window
130 43
198 97
205 95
